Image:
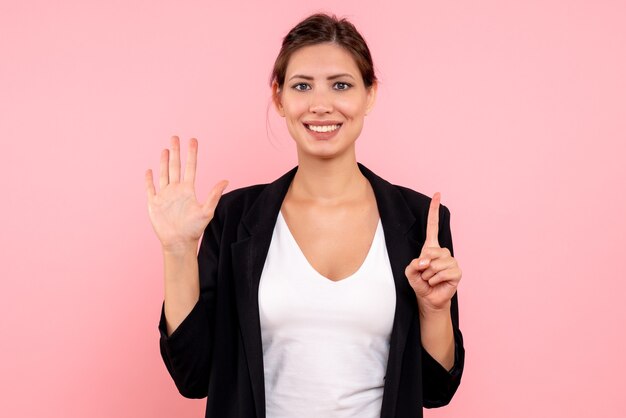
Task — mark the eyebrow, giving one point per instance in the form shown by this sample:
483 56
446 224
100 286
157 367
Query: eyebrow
332 77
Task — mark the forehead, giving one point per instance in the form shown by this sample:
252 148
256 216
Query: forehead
321 60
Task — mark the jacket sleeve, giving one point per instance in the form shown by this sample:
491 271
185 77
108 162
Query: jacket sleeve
187 351
439 383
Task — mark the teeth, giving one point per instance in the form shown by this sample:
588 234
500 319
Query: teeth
323 128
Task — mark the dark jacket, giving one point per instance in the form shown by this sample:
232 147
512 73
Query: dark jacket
216 352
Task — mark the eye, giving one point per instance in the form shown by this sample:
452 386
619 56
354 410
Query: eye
301 87
342 86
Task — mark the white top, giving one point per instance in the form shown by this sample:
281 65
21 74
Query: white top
325 343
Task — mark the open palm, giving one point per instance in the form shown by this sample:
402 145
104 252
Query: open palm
176 215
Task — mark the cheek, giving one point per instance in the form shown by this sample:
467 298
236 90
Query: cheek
351 108
294 105
293 115
294 112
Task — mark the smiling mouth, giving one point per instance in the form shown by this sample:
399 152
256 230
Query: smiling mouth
323 128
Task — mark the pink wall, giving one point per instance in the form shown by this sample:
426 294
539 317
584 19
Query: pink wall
514 110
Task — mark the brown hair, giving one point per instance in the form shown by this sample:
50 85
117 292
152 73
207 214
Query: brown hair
321 28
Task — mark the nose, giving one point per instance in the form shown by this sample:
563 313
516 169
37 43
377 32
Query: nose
321 102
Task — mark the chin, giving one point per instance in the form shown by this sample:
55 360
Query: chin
328 153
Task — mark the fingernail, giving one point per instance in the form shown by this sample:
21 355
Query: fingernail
423 262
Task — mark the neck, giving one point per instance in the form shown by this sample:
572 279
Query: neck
331 181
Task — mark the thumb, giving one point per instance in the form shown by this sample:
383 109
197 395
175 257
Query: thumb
214 196
413 273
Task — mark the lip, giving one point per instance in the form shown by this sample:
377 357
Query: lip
322 122
322 136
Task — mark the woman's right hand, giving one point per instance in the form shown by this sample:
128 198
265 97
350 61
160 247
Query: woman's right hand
176 215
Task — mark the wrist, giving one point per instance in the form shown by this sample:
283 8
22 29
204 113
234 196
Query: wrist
427 311
180 249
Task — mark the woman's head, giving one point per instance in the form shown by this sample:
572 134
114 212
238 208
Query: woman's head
323 84
321 28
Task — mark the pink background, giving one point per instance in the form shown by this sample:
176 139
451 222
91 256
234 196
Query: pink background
514 110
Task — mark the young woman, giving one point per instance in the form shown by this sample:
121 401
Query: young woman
327 293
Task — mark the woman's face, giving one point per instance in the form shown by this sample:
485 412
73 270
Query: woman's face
323 100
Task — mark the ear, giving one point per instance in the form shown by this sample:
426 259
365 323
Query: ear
371 96
277 99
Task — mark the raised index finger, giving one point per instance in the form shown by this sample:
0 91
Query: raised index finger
432 224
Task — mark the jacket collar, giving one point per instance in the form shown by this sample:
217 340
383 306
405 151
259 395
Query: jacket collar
250 252
392 207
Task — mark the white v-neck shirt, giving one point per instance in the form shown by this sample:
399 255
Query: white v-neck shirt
325 343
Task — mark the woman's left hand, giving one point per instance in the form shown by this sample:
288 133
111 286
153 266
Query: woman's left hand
435 275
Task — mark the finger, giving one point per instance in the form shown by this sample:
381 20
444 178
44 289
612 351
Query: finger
438 265
192 159
432 225
420 287
411 272
150 190
164 172
416 265
214 197
433 253
450 275
175 160
420 264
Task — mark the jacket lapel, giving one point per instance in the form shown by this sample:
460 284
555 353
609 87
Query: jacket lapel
248 257
397 220
250 251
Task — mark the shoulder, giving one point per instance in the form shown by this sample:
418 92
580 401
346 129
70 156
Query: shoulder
255 207
417 203
238 200
413 197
